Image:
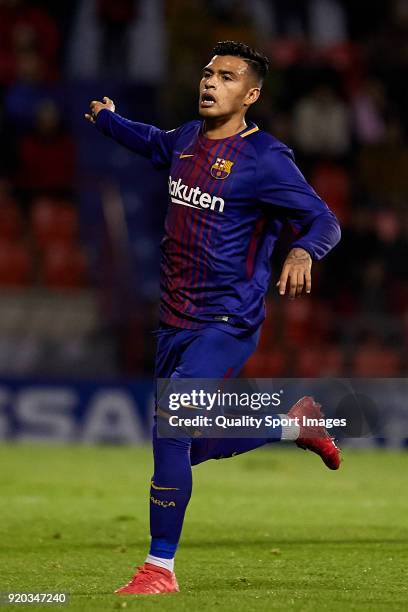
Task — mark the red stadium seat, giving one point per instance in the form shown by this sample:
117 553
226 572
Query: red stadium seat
64 267
345 56
332 183
319 361
405 330
53 222
398 297
10 220
299 315
333 362
15 264
309 362
272 363
267 337
387 225
372 359
287 52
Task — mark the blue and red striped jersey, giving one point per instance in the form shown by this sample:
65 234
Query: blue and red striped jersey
228 201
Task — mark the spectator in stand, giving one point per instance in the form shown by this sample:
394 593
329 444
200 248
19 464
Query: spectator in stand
188 24
8 146
46 155
342 277
232 20
369 108
373 292
24 28
27 92
398 257
114 18
119 39
292 17
10 214
365 17
322 123
383 168
327 22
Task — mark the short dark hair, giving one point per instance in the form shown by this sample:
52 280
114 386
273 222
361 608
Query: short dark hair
258 62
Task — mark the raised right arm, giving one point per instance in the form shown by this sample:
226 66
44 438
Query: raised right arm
147 140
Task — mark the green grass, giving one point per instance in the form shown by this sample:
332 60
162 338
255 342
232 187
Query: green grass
269 530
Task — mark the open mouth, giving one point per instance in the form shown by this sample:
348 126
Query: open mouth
207 100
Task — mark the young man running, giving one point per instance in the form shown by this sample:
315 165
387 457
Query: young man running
231 189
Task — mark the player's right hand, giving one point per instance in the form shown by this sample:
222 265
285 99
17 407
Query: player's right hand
96 106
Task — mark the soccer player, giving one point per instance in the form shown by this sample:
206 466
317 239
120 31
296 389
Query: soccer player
231 189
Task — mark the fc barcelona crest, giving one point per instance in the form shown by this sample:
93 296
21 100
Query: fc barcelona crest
221 168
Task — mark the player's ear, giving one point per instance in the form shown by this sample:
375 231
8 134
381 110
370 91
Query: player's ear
252 96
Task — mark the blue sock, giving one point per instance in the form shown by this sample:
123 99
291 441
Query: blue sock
171 484
222 448
170 493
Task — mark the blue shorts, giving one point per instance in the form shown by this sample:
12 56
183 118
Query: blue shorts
208 352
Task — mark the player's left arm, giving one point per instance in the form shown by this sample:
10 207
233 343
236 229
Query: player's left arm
287 195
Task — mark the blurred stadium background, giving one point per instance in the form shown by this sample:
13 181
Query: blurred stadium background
81 218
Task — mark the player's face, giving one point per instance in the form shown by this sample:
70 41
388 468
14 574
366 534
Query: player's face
227 87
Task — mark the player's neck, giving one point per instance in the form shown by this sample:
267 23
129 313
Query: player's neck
223 127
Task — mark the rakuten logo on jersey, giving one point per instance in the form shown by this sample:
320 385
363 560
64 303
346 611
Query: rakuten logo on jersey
193 196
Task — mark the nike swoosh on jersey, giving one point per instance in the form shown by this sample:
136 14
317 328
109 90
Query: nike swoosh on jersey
182 155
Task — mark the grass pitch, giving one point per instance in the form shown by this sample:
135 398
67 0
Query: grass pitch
269 530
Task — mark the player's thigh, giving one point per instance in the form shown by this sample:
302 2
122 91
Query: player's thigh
213 353
168 352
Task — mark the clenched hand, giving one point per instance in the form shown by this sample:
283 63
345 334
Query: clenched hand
297 270
97 106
